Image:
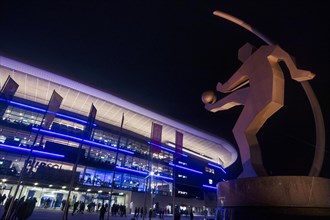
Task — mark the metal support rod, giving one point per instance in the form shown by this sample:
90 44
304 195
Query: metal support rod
145 198
114 170
173 188
74 169
89 125
21 176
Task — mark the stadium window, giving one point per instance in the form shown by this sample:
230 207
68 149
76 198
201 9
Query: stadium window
182 163
183 192
182 176
209 170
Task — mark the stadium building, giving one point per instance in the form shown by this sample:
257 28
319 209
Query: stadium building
64 139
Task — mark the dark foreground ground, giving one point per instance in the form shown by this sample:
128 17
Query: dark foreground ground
51 214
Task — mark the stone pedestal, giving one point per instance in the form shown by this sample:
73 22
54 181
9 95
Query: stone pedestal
274 197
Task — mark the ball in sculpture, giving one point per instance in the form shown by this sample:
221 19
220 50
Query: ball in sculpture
208 97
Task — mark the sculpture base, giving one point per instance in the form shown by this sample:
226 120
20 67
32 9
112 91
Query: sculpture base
274 197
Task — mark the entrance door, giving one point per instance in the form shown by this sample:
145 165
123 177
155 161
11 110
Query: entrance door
58 200
31 194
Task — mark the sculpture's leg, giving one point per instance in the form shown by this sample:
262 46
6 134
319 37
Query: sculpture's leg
256 156
242 141
245 130
250 156
245 154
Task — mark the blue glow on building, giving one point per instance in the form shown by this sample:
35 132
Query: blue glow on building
44 110
69 137
108 147
166 149
163 177
27 106
185 168
217 166
72 118
131 170
33 151
55 134
210 187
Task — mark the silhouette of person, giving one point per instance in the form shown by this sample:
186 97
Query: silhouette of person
102 212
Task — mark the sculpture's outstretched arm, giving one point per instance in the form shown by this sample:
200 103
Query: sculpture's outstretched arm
236 81
233 99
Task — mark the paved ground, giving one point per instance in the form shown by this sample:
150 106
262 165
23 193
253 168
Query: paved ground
51 214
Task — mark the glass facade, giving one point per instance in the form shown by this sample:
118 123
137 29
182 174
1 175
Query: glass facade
108 155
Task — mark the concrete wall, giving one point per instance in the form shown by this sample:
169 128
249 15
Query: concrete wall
279 191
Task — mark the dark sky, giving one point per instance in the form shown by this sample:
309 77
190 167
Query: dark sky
163 54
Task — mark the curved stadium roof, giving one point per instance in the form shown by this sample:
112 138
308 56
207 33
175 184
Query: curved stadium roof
37 85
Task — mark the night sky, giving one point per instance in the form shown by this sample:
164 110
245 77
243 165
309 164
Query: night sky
162 55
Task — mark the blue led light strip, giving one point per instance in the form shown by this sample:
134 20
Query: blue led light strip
100 145
43 111
142 172
185 168
163 177
166 149
109 147
55 134
28 106
33 151
72 118
127 169
210 187
216 166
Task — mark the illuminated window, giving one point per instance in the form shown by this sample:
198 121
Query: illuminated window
182 176
209 170
183 163
183 192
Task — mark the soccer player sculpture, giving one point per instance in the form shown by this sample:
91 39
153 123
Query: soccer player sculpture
261 99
